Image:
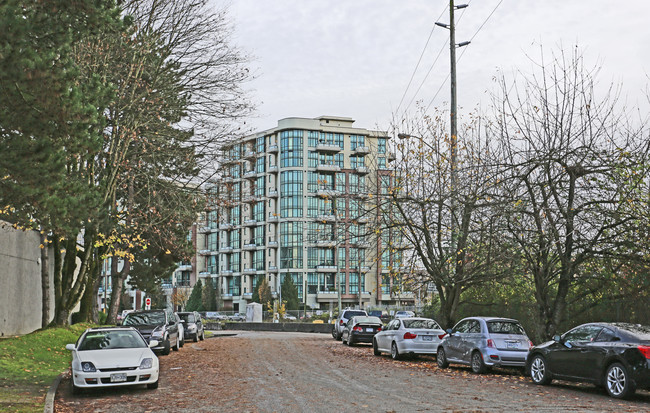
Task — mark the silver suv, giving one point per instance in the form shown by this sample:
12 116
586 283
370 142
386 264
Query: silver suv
482 342
342 319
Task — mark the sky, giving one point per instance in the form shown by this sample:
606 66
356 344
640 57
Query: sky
355 58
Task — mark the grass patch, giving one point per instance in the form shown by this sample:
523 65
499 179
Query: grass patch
29 364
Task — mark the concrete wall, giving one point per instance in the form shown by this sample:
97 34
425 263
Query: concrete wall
20 281
290 327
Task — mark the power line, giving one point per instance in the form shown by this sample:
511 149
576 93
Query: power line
463 52
424 49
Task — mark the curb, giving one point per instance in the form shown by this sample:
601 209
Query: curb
51 393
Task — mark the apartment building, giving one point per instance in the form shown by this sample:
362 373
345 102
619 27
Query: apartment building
297 200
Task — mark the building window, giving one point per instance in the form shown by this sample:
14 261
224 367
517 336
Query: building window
212 264
357 161
260 187
312 283
258 260
312 181
312 140
291 183
356 141
341 258
342 282
338 160
292 245
234 240
381 145
260 164
212 242
235 217
291 206
385 184
381 162
259 144
312 207
312 159
340 182
234 285
258 235
259 211
291 146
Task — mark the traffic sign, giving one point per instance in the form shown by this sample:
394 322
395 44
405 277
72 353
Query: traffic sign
147 302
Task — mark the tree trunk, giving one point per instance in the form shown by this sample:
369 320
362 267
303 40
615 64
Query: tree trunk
89 298
45 282
117 281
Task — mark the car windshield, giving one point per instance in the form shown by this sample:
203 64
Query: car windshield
106 340
367 320
350 314
505 327
138 319
188 318
426 324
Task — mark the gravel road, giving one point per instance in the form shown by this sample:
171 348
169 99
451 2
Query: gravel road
297 372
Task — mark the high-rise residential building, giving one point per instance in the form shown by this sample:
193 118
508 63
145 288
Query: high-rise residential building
297 200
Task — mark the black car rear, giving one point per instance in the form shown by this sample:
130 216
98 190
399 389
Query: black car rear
361 329
613 355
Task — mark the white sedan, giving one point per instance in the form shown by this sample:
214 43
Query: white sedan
113 356
411 336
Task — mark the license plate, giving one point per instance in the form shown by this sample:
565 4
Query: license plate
427 338
118 377
369 330
512 344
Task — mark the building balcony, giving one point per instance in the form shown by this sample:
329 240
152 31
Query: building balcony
361 170
273 218
226 226
326 193
228 179
250 247
274 294
391 156
273 149
326 243
272 269
362 219
328 148
364 268
273 193
360 244
229 160
326 218
327 268
204 230
227 272
249 155
273 169
249 199
272 244
247 296
361 150
250 223
250 174
227 297
226 249
250 271
326 296
184 267
328 168
205 274
401 245
204 252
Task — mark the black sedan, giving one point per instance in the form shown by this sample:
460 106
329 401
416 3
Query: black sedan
361 329
612 355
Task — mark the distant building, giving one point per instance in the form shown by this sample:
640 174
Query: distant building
296 200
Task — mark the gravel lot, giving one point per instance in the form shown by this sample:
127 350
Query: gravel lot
297 372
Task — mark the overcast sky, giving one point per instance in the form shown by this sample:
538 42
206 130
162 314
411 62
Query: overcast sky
354 58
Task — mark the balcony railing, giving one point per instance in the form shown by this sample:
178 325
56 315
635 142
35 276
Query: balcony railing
361 150
326 268
328 147
273 169
328 168
273 148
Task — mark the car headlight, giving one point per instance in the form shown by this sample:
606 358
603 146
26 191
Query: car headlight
191 329
88 367
157 333
146 363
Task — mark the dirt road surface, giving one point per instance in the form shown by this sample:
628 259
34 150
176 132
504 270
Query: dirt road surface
297 372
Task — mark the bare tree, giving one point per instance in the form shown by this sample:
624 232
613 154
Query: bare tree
572 163
424 208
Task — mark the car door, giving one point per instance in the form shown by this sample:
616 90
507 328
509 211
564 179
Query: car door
199 323
384 336
571 358
470 340
453 341
172 327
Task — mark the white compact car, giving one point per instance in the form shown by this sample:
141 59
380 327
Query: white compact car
113 356
404 336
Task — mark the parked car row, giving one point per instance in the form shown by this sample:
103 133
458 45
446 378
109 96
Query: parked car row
615 356
127 354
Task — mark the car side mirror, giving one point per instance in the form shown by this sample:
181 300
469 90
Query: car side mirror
449 331
182 321
70 347
557 338
153 343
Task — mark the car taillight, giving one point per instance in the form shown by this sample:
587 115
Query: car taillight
409 336
490 343
378 329
341 322
441 336
530 344
645 350
357 328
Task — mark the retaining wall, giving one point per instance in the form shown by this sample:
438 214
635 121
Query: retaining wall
288 327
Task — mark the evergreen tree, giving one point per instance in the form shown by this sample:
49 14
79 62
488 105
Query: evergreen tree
290 293
264 291
209 297
195 302
256 290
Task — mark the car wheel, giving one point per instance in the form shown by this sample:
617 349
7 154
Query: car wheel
182 342
538 371
478 366
350 341
177 346
153 385
394 352
441 358
196 337
375 349
202 335
617 382
166 347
